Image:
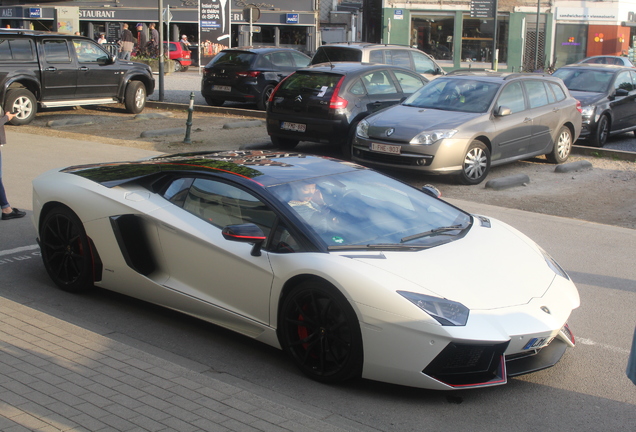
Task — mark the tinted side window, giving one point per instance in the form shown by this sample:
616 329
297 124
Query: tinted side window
376 56
379 82
178 190
222 204
624 81
409 82
16 49
512 97
357 88
423 64
56 51
88 52
537 95
299 59
558 91
398 58
282 59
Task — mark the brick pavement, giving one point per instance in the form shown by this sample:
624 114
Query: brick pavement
55 376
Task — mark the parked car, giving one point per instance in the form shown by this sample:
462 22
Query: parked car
350 272
610 60
608 99
59 70
397 55
324 103
248 74
179 54
465 123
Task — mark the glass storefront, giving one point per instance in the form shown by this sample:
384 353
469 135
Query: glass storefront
433 34
477 39
570 43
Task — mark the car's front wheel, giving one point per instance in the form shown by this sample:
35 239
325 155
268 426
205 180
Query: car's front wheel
284 143
66 251
262 102
562 147
23 104
135 98
319 329
476 164
599 137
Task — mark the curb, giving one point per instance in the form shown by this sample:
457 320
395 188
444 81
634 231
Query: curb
161 132
244 124
607 153
574 166
208 109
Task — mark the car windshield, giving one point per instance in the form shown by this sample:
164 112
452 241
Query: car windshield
455 95
321 84
585 80
234 58
366 210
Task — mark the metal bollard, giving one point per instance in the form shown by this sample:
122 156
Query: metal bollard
187 139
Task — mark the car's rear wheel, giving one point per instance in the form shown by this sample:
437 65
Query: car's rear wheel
319 329
262 102
599 137
135 99
214 102
22 102
562 146
476 164
184 68
284 143
176 66
66 251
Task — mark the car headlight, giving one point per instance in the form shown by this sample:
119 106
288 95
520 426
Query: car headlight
429 138
553 264
362 130
445 312
588 111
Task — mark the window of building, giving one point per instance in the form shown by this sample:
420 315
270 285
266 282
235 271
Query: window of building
433 34
477 39
570 43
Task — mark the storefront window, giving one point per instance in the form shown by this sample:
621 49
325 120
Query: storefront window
433 34
477 39
570 43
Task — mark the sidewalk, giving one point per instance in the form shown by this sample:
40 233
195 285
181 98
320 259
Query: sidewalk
55 376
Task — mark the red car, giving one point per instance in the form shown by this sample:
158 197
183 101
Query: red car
179 56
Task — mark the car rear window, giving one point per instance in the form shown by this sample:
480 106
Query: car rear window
234 58
16 49
336 54
320 84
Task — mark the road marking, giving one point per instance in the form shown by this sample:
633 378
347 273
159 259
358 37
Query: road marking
19 249
585 341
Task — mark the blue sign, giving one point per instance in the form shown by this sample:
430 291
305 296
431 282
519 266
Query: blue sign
35 12
292 18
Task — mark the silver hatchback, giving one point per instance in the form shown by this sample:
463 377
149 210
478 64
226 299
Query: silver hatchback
464 123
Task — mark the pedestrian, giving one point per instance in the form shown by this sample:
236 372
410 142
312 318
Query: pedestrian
184 40
8 212
102 39
154 35
127 43
142 39
631 362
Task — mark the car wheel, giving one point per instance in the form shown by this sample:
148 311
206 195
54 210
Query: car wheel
135 99
319 329
65 250
476 164
262 102
284 143
346 148
599 138
184 68
562 147
214 102
22 102
176 66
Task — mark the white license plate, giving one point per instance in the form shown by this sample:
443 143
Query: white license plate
385 148
536 343
296 127
221 88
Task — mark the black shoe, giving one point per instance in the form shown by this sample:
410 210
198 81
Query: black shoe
15 214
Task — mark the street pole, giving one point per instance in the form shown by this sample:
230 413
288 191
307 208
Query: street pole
161 65
494 53
536 45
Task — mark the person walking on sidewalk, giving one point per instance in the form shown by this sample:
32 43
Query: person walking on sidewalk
127 43
7 211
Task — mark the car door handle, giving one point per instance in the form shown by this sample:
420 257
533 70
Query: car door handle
527 120
50 69
84 68
556 110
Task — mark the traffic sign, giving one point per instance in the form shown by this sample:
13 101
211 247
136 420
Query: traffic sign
482 8
246 29
251 14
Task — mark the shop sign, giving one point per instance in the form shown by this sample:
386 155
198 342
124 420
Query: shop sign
482 8
292 18
96 13
398 14
586 14
35 12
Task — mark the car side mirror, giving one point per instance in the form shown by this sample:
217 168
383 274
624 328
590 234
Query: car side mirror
621 92
245 233
502 111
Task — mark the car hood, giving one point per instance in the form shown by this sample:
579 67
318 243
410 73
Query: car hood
489 268
409 121
587 98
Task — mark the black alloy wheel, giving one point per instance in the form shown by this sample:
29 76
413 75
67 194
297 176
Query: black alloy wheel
66 252
599 137
319 329
262 102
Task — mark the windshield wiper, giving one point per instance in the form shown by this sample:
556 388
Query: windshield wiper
436 231
378 246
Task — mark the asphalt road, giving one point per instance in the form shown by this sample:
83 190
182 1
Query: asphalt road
586 391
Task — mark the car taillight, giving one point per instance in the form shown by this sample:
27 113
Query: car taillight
578 106
336 101
252 74
271 96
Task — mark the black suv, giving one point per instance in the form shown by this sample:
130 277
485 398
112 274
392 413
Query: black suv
58 70
608 98
324 103
248 74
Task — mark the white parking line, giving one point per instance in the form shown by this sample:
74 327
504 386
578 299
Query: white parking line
19 249
585 341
